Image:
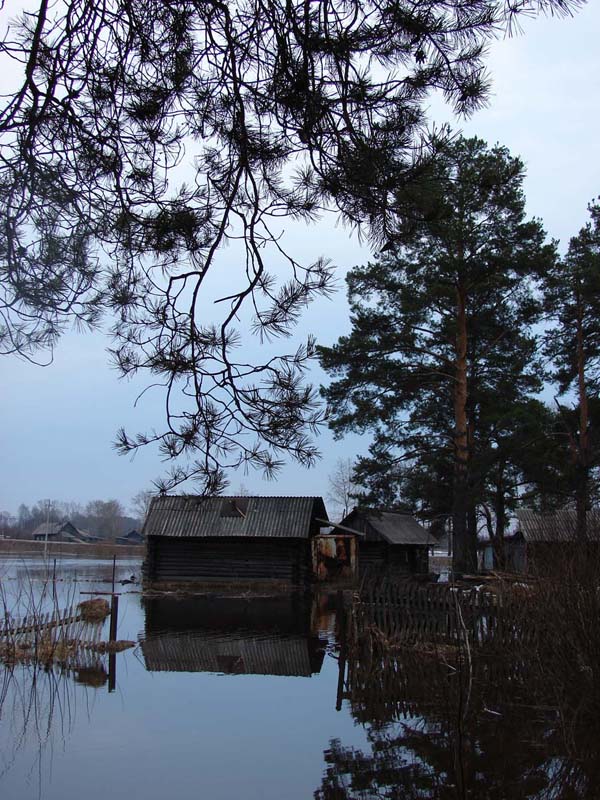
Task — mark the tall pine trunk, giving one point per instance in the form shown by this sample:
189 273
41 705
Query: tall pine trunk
582 477
465 545
500 514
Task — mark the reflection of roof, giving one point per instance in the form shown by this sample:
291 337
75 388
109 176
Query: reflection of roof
231 634
555 526
196 516
394 527
232 653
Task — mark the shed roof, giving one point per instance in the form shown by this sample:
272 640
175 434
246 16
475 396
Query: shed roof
198 516
394 527
555 526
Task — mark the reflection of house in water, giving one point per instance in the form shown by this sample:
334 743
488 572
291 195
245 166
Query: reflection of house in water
231 635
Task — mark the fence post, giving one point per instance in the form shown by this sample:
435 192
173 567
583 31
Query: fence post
114 615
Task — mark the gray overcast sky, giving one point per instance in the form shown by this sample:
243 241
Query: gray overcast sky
57 424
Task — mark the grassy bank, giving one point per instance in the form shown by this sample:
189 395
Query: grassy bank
97 550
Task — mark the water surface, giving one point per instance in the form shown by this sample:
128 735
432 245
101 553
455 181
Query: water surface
269 697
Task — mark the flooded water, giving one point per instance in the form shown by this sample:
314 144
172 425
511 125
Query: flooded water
269 697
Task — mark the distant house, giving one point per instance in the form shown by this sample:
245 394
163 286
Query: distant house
390 538
192 539
133 537
543 541
62 532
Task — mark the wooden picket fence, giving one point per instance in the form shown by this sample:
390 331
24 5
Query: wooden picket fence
67 625
444 613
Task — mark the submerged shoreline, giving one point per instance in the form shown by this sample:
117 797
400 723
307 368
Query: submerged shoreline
11 547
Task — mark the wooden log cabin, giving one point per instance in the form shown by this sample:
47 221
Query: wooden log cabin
389 539
200 540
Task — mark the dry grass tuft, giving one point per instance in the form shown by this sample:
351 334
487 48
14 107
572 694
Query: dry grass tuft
94 610
112 647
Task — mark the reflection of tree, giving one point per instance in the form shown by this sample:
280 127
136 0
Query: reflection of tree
388 772
439 728
442 754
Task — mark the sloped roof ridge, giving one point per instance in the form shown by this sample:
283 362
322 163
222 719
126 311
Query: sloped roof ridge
380 510
239 496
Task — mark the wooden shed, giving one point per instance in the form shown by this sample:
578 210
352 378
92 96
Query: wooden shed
192 539
390 538
545 541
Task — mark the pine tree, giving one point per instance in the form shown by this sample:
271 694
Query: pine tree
572 301
440 343
141 136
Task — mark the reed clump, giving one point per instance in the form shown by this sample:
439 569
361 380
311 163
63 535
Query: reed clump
112 647
95 610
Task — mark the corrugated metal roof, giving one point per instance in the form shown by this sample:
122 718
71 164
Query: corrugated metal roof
555 526
245 654
394 527
198 516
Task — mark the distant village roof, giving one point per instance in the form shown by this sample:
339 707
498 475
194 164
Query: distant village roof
133 537
49 529
394 527
197 516
555 526
66 530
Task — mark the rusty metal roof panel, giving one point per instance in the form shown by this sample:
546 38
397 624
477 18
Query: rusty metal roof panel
197 516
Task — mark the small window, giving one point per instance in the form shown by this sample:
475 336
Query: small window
235 507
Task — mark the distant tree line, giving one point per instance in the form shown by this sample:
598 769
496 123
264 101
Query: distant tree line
104 518
466 315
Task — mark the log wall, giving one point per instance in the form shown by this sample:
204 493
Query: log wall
410 559
205 560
